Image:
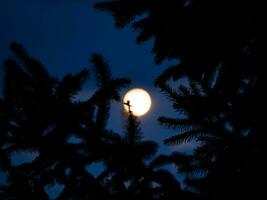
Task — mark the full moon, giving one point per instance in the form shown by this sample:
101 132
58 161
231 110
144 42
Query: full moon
138 100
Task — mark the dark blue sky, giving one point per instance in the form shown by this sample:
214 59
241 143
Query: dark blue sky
62 34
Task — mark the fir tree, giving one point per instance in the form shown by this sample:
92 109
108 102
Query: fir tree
39 115
217 47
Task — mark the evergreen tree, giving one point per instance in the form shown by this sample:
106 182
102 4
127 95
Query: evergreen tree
229 156
221 104
131 171
39 114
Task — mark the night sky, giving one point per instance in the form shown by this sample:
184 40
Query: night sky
62 34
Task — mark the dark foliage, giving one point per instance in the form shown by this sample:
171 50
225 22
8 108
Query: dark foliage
218 45
39 114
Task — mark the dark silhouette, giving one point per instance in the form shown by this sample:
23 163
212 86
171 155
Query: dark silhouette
39 114
218 96
220 105
129 106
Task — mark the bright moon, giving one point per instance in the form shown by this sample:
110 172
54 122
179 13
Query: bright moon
139 100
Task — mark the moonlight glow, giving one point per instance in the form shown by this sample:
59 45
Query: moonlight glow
139 100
